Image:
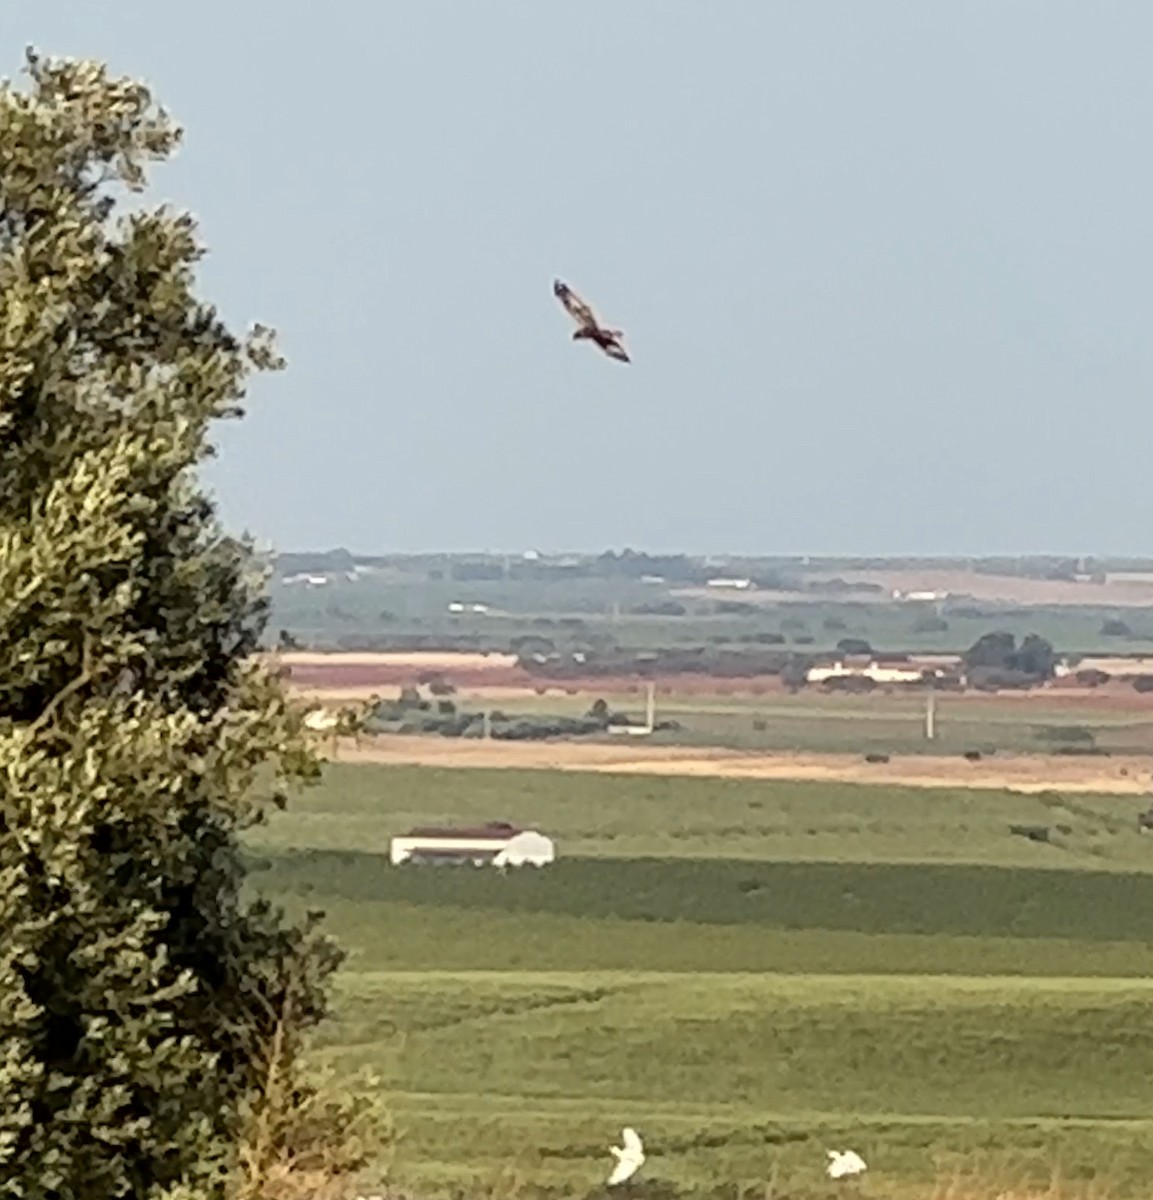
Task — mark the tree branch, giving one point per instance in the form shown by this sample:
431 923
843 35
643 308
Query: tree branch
87 674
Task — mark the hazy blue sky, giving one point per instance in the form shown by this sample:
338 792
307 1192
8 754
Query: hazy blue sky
884 267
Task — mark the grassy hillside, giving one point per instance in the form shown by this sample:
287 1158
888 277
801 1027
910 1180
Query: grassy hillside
942 1048
743 1079
954 901
361 807
749 972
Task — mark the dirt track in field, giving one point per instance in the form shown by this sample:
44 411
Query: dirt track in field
1024 773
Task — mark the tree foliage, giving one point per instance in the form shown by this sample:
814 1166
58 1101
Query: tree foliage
137 986
999 653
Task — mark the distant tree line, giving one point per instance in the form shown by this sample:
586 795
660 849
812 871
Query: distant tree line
695 660
410 713
315 562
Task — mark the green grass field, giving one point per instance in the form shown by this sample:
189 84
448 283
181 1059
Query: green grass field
892 723
743 1078
598 815
749 972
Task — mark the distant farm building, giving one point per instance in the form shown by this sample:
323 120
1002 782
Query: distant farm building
920 597
741 585
877 672
1116 667
305 578
497 844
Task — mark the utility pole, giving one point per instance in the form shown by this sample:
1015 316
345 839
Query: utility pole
930 714
487 724
651 706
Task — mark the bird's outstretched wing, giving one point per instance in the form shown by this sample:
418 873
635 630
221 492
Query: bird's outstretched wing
574 305
629 1157
622 1171
615 350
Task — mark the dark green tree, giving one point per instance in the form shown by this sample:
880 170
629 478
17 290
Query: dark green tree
991 650
853 645
139 993
1034 659
1036 656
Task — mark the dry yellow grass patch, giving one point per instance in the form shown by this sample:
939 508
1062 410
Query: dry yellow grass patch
1023 773
978 1188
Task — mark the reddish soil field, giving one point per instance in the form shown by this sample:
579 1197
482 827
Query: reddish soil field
362 675
392 675
365 678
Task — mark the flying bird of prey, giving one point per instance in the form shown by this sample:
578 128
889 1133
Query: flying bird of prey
843 1163
609 340
629 1158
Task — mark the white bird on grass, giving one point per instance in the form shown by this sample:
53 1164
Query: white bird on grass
629 1157
843 1163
